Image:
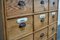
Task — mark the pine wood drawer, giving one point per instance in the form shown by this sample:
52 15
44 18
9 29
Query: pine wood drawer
53 16
41 35
40 21
29 37
53 37
19 27
18 7
53 4
52 29
40 5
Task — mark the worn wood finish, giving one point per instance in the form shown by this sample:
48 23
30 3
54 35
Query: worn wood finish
52 18
38 7
53 37
30 37
2 22
52 29
13 9
35 28
37 21
14 31
53 5
41 35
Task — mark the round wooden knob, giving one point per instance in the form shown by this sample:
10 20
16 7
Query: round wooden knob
21 25
21 3
42 34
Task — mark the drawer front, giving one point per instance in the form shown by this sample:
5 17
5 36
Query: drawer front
53 37
40 5
19 27
53 4
18 7
30 37
52 29
41 35
40 21
53 17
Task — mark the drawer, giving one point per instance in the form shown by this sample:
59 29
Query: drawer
40 5
41 35
53 37
19 27
53 5
53 17
18 7
52 29
40 21
30 37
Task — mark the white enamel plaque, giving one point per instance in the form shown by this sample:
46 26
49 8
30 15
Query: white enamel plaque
20 20
42 16
53 13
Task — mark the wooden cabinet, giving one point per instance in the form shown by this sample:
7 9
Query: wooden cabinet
28 19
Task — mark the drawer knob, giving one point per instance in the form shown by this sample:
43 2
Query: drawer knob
21 3
53 3
53 16
42 2
42 34
52 39
53 29
42 19
21 25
